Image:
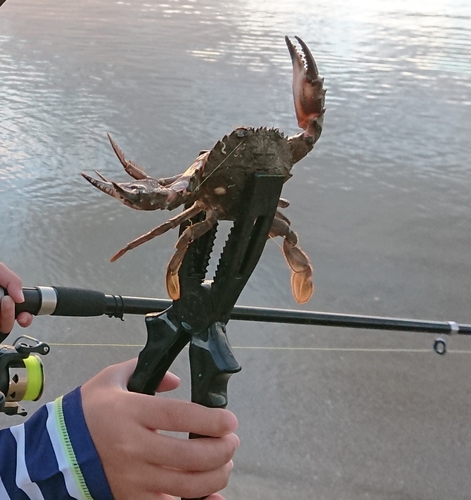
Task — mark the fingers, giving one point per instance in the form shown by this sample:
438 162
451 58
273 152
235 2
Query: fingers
198 484
7 314
169 382
163 496
120 373
163 413
181 416
182 483
198 455
12 283
24 319
141 462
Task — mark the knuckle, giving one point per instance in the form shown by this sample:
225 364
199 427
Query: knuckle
223 478
222 421
206 483
229 448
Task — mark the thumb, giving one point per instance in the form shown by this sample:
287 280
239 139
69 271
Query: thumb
120 374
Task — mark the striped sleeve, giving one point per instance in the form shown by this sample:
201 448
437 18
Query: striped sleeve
52 456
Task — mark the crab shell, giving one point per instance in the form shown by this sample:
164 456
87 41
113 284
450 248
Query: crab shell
236 157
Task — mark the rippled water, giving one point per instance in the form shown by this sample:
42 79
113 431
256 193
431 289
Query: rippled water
167 79
382 205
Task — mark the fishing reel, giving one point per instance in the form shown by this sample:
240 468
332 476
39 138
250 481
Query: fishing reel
21 373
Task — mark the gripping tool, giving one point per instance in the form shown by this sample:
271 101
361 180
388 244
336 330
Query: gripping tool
199 317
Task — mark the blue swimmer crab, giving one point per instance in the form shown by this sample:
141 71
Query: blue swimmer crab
214 182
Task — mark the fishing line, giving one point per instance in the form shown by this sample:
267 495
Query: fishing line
275 348
226 158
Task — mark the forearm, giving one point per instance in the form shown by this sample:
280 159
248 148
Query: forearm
52 456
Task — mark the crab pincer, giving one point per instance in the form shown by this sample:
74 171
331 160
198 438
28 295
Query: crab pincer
308 90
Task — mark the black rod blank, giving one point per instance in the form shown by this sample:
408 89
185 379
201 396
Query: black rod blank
139 305
63 301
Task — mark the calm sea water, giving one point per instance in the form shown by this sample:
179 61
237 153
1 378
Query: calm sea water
382 205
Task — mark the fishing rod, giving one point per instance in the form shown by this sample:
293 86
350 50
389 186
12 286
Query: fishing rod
64 301
21 369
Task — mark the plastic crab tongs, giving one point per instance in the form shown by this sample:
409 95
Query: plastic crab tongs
202 312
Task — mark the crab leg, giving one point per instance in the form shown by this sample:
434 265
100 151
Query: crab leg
301 276
283 203
166 181
192 170
131 168
190 234
195 209
283 217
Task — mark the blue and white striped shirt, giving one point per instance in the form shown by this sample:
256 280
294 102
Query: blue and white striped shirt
52 456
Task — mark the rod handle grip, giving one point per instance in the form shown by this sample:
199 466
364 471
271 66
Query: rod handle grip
62 301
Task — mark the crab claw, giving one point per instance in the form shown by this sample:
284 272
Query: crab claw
144 194
308 91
